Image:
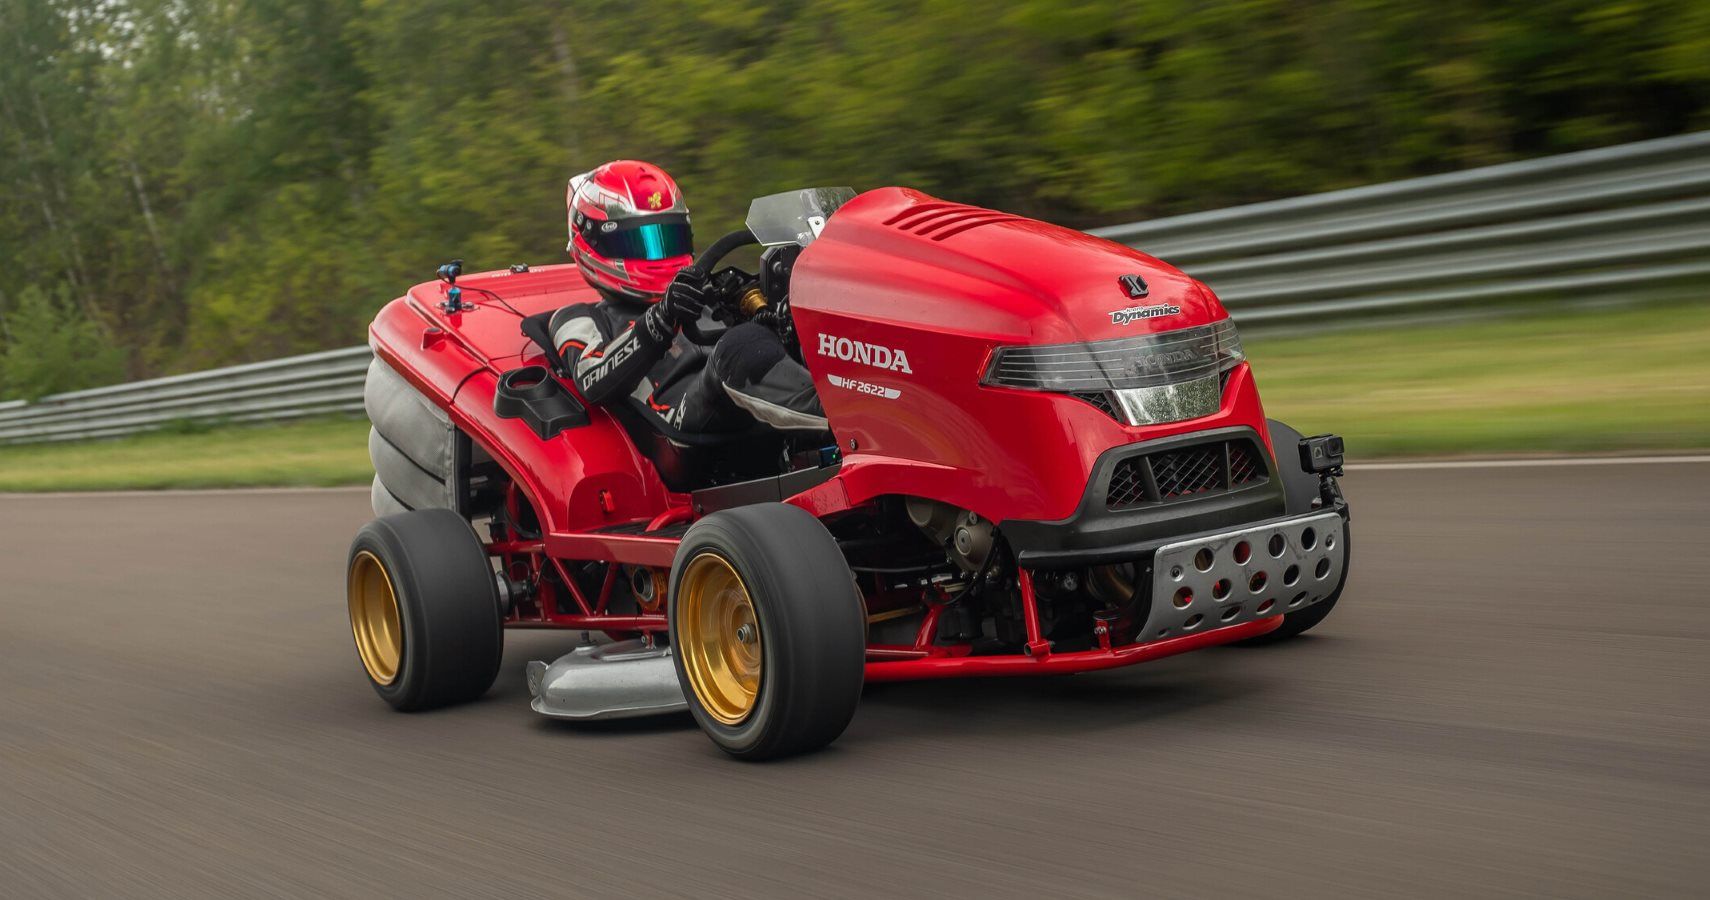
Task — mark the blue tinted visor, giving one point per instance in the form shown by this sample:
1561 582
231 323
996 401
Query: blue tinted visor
654 240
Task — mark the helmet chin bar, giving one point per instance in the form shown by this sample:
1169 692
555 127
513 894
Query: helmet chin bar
624 298
618 281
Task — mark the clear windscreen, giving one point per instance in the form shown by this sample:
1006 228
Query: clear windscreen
795 217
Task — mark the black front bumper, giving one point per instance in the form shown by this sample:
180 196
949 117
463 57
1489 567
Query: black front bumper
1097 534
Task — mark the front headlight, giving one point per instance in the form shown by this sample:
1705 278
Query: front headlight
1151 378
1229 352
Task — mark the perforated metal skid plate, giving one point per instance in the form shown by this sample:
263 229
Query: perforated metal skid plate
1209 581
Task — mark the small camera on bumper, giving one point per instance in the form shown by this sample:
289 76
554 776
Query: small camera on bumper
1321 453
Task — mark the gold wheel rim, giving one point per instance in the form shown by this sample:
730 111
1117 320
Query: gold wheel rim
374 619
718 637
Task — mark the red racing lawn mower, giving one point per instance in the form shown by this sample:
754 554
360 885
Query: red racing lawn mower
1048 455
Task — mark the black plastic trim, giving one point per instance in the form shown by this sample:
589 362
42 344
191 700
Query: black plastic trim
760 490
461 451
537 328
1095 535
531 394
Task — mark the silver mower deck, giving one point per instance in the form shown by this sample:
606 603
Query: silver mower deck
607 681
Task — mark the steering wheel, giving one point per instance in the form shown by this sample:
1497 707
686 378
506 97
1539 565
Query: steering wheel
711 257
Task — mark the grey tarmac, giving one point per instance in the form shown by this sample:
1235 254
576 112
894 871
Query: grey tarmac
1512 700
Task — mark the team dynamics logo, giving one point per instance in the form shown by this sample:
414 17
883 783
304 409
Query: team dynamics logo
875 355
1124 316
863 387
1133 285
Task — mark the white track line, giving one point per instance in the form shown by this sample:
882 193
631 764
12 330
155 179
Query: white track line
1524 463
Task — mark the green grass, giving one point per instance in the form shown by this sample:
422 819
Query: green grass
327 452
1590 381
1593 381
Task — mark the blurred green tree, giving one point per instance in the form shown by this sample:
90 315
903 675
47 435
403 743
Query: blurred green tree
215 181
50 346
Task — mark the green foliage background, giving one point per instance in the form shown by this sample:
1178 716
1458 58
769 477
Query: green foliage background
199 182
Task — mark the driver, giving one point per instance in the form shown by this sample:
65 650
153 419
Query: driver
629 235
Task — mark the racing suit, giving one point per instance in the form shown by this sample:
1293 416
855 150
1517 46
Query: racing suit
619 354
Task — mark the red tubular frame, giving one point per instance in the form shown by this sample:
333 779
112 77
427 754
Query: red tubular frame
596 623
923 659
590 616
676 515
1060 663
1037 647
576 592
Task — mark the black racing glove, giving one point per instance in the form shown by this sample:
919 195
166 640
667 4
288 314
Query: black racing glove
686 298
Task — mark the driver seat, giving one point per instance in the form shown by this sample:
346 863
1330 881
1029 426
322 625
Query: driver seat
685 461
688 462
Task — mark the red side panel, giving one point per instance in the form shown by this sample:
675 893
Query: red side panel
580 480
565 475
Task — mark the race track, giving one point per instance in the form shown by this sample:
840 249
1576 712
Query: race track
1513 699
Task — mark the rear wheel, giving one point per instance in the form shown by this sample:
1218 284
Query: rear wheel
424 609
767 631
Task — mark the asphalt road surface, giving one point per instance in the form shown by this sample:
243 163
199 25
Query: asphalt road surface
1513 699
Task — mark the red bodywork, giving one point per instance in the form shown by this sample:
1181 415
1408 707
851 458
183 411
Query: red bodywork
941 283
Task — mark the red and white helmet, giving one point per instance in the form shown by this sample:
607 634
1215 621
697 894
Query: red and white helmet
629 229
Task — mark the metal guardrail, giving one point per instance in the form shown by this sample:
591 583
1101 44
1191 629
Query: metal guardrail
326 383
1622 223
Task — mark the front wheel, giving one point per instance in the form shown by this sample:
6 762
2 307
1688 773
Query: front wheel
1300 488
1295 623
767 632
424 609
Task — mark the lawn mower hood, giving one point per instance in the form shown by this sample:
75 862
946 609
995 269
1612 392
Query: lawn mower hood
947 266
1004 355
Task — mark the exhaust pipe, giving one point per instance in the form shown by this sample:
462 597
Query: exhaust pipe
607 681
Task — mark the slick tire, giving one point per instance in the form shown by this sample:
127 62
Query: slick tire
768 633
1300 487
448 639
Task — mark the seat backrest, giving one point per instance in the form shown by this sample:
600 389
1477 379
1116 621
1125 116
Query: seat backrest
685 461
689 461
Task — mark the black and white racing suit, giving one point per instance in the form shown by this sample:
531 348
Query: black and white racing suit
619 354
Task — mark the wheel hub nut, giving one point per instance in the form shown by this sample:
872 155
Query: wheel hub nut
745 633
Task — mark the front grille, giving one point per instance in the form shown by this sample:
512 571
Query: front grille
1100 399
1127 484
1244 462
1194 470
1169 475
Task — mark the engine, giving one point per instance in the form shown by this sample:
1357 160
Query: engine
965 537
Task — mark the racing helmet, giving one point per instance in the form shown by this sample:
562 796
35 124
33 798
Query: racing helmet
629 229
